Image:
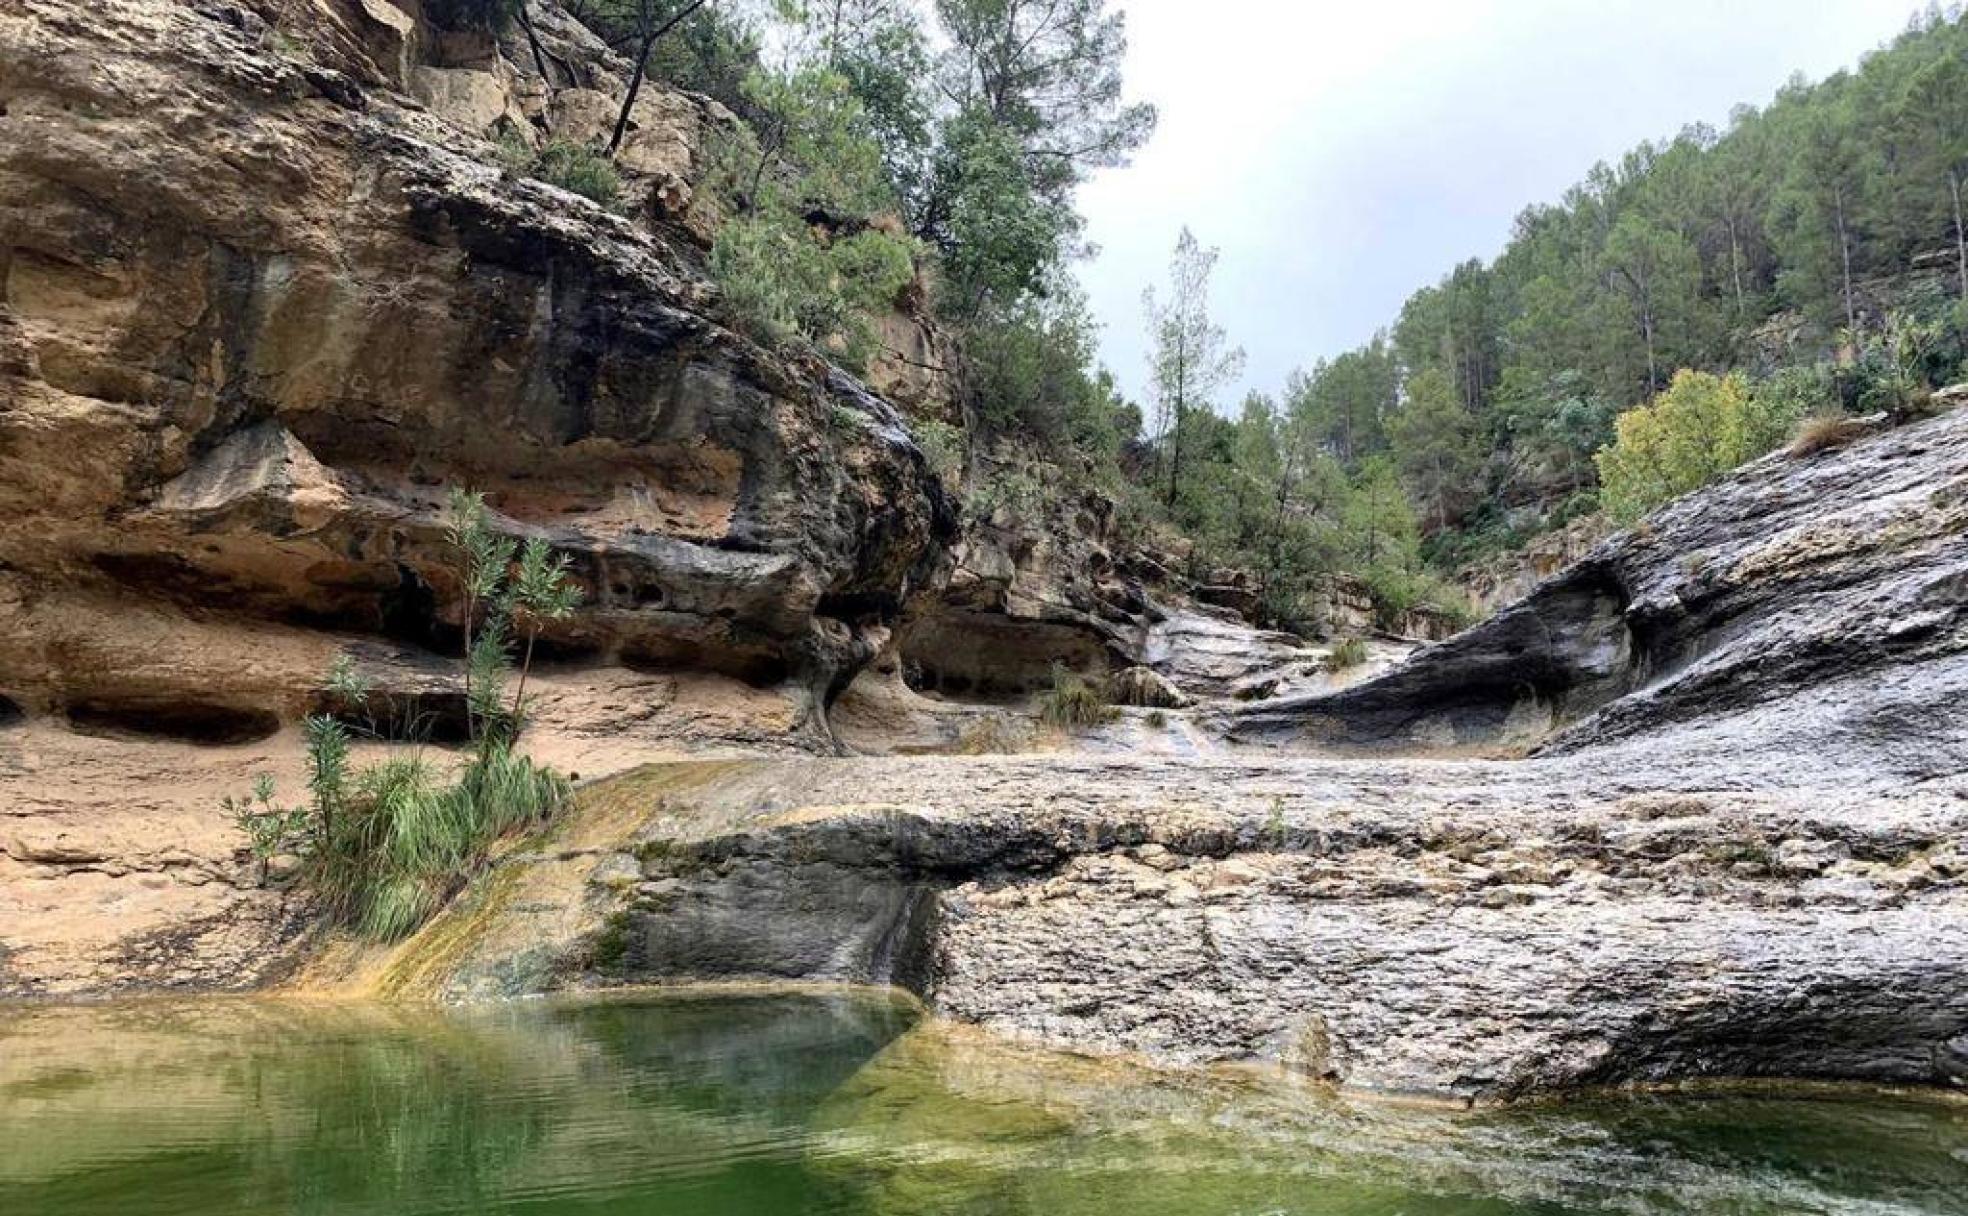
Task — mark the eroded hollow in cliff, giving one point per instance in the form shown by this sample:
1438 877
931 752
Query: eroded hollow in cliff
430 716
205 723
10 711
987 655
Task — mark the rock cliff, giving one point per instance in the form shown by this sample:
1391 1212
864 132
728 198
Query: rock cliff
265 296
259 318
267 292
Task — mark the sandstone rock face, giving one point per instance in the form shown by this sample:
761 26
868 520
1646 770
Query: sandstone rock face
1504 581
264 297
1474 930
1035 584
257 320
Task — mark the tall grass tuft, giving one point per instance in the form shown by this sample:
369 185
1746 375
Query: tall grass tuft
406 839
1823 432
1347 653
1073 701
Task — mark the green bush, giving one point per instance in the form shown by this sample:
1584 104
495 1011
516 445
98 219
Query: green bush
1396 592
779 283
943 446
383 846
577 167
1016 489
1696 431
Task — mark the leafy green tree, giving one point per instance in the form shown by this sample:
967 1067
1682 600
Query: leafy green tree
1344 404
1452 328
1028 373
1819 208
880 48
1000 234
1032 94
1699 429
1191 359
542 591
1659 274
1380 523
483 558
1048 72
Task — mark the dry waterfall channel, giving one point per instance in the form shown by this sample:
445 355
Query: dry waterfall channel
1695 807
1738 846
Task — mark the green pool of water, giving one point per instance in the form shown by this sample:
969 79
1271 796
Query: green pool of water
842 1104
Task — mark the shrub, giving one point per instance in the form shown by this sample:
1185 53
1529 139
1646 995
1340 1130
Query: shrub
943 446
1396 592
779 283
575 167
1073 702
1822 433
1347 653
385 845
579 168
270 829
1015 489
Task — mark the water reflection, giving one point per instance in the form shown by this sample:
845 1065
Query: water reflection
831 1104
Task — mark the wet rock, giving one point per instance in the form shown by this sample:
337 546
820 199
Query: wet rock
1826 606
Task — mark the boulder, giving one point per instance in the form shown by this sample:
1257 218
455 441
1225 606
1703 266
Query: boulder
1144 687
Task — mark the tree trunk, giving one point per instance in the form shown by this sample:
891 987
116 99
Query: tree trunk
1175 455
525 666
647 45
1735 263
1960 233
540 62
1175 429
1845 255
629 100
471 730
1647 331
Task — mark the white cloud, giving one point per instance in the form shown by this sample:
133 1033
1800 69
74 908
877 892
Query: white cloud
1344 154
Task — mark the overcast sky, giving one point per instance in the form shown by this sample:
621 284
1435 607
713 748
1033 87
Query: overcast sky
1342 153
